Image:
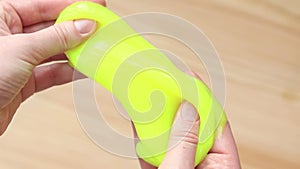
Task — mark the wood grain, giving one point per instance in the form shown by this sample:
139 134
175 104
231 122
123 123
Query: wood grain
258 42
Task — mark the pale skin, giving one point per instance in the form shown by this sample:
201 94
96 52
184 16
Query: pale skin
184 135
29 38
223 155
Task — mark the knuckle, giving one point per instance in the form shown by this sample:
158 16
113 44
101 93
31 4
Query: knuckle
186 132
191 138
185 137
62 36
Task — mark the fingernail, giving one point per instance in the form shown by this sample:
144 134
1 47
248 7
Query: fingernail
85 26
188 112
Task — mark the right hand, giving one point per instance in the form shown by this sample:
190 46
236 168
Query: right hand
185 128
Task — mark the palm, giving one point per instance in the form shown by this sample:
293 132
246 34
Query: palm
22 27
16 77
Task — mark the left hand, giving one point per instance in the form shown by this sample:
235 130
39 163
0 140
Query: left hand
28 39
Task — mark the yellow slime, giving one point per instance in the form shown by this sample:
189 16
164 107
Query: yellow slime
144 80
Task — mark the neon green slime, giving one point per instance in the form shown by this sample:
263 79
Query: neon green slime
144 80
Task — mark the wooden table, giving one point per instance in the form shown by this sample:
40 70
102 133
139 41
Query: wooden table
259 46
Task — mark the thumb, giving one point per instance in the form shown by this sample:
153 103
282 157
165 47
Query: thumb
54 40
183 139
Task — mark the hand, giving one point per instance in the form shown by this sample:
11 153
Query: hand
222 155
185 132
28 39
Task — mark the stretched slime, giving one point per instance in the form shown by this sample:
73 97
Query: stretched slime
144 80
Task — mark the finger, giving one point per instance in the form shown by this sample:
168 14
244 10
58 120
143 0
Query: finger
223 153
47 76
61 57
52 75
38 26
225 143
38 46
136 138
143 164
35 11
183 139
7 113
223 150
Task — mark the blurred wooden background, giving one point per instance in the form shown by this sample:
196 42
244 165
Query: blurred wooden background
259 45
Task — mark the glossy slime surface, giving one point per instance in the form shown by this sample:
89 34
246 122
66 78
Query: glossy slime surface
144 80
